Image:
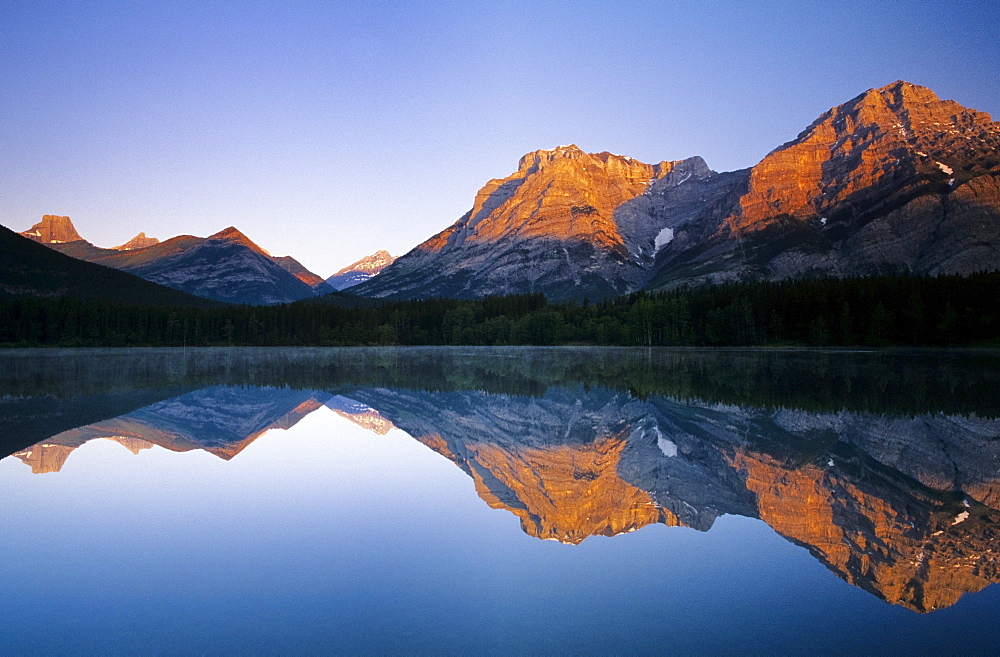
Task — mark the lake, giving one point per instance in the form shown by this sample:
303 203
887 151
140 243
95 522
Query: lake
499 500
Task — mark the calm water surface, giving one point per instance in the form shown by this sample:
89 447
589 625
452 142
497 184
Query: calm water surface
498 501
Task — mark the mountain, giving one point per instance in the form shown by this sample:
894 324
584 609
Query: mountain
226 266
53 229
548 227
33 419
904 507
298 270
892 181
140 241
360 271
28 268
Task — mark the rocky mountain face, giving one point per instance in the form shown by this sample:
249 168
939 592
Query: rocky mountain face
51 456
887 518
361 271
140 241
908 546
226 266
53 230
548 227
894 180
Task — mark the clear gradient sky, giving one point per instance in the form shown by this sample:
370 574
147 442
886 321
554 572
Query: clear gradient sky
329 130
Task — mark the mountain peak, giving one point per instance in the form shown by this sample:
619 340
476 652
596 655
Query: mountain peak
894 179
856 152
536 159
551 221
53 229
362 270
298 270
233 234
372 264
140 241
902 91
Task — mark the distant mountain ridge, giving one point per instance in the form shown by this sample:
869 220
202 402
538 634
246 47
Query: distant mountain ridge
226 266
30 269
140 241
361 271
220 420
892 181
299 271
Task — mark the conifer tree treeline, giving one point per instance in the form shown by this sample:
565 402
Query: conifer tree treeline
877 311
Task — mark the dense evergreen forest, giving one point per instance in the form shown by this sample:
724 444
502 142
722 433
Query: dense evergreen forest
877 311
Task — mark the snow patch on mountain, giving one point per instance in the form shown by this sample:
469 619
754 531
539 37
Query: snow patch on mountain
663 238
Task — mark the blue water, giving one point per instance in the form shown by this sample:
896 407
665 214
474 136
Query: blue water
329 538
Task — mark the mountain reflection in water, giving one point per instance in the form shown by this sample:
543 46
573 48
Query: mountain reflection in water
903 503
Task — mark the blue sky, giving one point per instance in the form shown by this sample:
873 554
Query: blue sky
329 130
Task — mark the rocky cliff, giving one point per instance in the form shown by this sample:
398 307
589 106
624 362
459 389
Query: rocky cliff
905 507
891 504
360 414
551 461
51 456
53 229
909 546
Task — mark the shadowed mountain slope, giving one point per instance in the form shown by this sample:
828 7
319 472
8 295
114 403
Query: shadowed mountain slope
28 268
226 266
